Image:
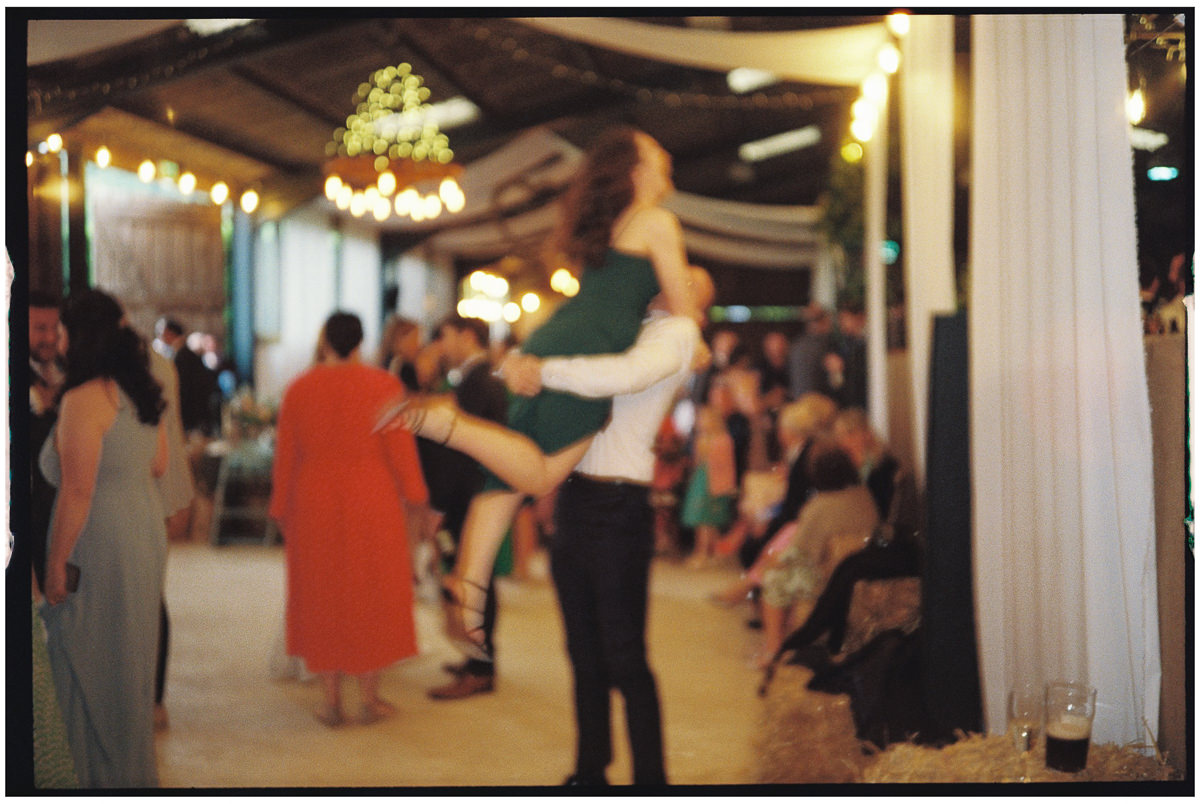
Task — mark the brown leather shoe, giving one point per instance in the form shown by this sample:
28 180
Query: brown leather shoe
463 686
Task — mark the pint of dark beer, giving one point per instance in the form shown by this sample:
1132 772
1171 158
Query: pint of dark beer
1067 743
1070 708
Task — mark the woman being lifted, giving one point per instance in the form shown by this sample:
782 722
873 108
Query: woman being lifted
630 248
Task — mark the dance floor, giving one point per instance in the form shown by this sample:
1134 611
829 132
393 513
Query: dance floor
234 726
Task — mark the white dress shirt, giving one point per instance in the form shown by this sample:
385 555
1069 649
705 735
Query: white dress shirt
643 381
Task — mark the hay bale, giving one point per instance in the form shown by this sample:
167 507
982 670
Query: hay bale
992 759
808 737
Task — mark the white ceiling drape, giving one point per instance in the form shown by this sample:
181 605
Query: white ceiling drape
757 235
1064 542
842 56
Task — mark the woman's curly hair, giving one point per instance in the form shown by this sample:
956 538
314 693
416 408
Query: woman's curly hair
599 193
98 345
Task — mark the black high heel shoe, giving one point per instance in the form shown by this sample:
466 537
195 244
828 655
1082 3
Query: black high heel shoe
469 639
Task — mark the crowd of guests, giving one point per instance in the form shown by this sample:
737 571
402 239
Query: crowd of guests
373 460
781 470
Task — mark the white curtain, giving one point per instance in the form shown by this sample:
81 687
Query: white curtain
927 170
1061 465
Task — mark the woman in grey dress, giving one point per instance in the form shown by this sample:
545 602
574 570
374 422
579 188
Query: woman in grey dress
108 446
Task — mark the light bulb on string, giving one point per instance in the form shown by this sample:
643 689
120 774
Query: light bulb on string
146 171
187 183
383 209
386 183
219 193
1135 106
875 88
862 129
249 201
333 185
103 157
889 58
899 23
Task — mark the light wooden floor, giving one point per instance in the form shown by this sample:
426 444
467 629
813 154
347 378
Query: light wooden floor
233 726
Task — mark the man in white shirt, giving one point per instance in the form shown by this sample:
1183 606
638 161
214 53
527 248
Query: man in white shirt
604 541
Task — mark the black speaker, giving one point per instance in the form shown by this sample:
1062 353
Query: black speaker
950 657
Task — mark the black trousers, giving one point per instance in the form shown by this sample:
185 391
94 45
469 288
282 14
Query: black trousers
897 559
600 563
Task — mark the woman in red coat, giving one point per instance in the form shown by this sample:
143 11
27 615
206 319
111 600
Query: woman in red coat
339 495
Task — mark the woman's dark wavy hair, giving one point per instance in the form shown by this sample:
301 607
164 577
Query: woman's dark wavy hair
98 345
598 194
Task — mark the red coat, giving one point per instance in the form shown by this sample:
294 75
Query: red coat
338 493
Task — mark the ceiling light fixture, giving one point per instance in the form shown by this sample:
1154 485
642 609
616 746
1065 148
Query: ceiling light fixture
208 27
747 79
392 142
1146 140
779 144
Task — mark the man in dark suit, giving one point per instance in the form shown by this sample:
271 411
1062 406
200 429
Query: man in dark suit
454 478
46 378
197 382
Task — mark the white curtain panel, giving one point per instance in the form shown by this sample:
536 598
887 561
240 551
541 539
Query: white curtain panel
927 172
1061 465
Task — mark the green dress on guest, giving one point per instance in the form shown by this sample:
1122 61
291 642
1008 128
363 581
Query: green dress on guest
603 318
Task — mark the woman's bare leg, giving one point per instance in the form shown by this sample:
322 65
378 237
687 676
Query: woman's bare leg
330 710
513 457
488 519
374 707
773 619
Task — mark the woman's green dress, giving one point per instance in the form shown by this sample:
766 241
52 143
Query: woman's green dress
603 318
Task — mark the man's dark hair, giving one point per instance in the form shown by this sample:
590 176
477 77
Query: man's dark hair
43 299
476 325
343 332
169 325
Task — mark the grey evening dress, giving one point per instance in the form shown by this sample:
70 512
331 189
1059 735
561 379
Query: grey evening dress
103 638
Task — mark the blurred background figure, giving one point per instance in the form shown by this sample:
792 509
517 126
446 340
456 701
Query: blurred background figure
198 390
775 382
454 478
177 488
840 507
47 375
107 553
338 494
671 462
52 763
398 349
806 354
712 490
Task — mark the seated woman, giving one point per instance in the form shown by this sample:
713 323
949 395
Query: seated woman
631 249
840 506
799 425
894 552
